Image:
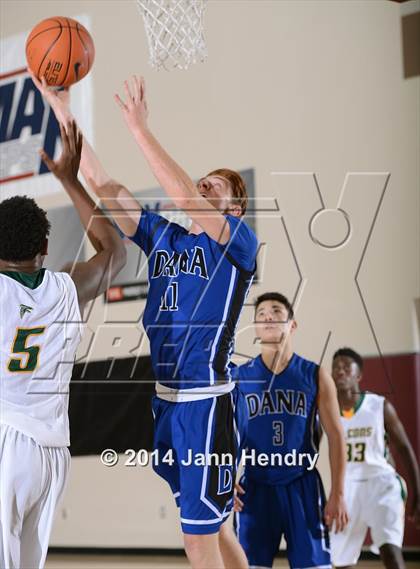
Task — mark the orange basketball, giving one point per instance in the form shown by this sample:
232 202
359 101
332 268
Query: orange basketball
61 50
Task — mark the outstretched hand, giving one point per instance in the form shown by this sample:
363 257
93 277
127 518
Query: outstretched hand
59 101
134 108
67 165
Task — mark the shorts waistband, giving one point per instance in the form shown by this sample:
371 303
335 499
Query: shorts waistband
193 394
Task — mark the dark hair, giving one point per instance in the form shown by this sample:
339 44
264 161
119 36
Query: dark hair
349 353
239 195
24 227
275 296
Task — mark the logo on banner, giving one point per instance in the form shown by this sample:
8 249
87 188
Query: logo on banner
26 125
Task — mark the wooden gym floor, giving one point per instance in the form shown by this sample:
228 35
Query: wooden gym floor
70 561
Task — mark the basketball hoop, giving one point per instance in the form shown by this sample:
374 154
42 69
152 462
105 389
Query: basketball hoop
174 30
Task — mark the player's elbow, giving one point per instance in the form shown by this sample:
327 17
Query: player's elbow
335 435
105 187
184 194
114 256
402 447
119 257
186 202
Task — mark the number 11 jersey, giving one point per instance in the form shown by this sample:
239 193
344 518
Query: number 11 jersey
197 288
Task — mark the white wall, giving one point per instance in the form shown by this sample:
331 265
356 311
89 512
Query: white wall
307 87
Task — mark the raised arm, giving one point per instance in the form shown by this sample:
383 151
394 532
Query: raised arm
173 179
329 413
93 277
398 438
124 207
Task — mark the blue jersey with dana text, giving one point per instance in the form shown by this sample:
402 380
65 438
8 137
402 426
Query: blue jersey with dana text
283 415
197 288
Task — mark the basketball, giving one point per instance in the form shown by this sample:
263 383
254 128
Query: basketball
61 50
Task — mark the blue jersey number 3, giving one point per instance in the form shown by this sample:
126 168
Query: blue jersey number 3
278 429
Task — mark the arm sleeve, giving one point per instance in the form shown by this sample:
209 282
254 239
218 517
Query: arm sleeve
242 245
150 230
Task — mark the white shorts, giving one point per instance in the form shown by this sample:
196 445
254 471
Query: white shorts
376 503
32 480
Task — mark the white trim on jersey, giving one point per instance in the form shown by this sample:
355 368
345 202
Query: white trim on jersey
206 468
194 394
312 428
315 567
235 429
222 323
237 523
321 518
204 522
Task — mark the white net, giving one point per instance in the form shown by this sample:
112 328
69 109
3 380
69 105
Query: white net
174 30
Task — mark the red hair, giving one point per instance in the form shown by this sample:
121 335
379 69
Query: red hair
239 195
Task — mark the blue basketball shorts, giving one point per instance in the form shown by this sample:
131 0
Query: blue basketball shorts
294 511
204 439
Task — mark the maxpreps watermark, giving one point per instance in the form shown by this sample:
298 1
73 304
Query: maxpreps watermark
251 457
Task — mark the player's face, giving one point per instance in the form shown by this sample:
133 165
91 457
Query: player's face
346 373
218 191
272 322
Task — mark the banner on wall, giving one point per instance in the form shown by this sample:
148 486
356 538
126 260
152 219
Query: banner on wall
27 123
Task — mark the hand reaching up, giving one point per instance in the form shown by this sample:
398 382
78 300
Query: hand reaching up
134 108
67 165
59 101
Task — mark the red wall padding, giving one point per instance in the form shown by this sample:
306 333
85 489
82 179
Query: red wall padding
398 379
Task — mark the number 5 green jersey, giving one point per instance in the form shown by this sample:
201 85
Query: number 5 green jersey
40 329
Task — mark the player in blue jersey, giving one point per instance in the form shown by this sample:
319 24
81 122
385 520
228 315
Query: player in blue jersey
198 283
281 492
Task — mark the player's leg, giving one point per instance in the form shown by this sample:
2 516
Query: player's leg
232 552
31 484
37 526
392 556
203 551
206 490
14 492
176 441
259 526
386 518
347 545
307 537
166 464
170 427
202 505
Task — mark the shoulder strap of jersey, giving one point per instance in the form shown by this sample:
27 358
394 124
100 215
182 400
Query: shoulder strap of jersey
244 274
